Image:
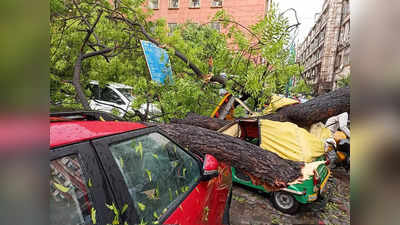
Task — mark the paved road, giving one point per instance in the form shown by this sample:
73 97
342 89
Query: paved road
251 208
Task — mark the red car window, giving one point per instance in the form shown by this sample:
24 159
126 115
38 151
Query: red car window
69 199
157 173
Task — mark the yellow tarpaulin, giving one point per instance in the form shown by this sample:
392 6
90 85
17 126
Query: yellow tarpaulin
233 130
289 141
320 131
277 103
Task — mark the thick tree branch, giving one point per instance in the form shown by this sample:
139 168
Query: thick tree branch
76 81
304 114
178 54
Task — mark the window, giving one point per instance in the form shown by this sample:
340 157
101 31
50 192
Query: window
171 28
216 26
127 92
95 91
110 95
153 4
338 60
194 4
157 173
346 59
341 38
216 3
69 199
346 8
347 32
173 4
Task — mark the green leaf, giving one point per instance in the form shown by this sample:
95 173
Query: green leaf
61 187
139 148
93 215
170 194
184 172
121 162
124 208
148 174
142 222
115 211
155 156
141 206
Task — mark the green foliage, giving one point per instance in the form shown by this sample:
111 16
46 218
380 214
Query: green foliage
255 61
261 61
345 82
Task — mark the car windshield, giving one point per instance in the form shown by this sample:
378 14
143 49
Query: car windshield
156 171
127 92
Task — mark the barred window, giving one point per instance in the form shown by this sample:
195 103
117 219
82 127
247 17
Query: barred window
216 3
171 28
173 4
194 4
153 4
216 26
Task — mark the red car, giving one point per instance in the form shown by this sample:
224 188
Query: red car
115 172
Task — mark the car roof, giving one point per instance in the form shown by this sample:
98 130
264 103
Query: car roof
69 132
114 85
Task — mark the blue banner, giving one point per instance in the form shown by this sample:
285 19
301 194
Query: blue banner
157 61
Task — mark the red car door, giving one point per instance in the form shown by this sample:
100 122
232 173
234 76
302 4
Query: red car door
206 204
161 181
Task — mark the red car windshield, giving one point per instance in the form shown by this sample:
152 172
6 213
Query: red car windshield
156 172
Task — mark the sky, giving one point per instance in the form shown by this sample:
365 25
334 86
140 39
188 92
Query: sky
306 10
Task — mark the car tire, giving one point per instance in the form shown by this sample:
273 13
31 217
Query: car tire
285 202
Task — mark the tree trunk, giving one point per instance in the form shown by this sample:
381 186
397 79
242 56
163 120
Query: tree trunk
272 171
304 115
201 121
316 110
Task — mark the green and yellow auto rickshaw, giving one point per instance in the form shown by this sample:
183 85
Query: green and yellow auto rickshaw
289 142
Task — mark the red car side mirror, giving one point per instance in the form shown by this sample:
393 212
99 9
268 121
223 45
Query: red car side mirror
210 167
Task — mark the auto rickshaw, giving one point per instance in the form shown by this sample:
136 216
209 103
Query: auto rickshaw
289 142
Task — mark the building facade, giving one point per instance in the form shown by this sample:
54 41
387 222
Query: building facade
325 52
175 12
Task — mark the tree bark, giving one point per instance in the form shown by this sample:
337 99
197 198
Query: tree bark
201 121
304 115
316 110
76 81
272 171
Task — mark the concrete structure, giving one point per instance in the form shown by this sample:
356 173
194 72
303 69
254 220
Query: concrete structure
325 52
176 12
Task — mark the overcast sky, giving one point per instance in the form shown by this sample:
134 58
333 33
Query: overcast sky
306 11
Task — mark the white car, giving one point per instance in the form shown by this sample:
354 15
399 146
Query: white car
115 96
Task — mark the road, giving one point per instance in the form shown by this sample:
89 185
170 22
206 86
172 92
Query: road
251 208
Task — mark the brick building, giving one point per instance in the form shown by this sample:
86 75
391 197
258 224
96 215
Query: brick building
325 52
246 12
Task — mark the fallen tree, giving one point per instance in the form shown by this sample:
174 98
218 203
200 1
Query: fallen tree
315 110
265 167
268 168
201 121
304 115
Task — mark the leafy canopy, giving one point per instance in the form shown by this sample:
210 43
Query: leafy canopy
254 62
